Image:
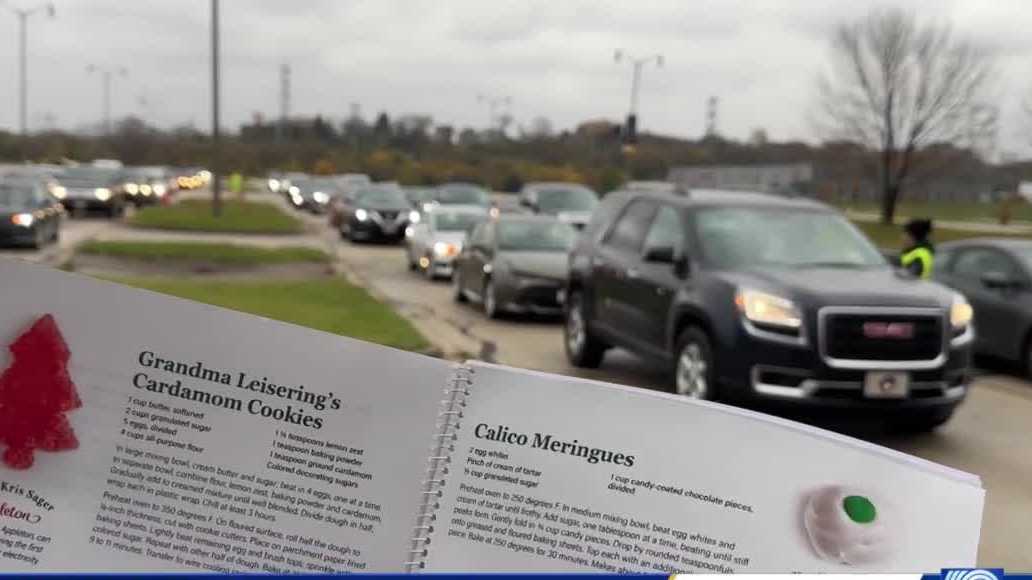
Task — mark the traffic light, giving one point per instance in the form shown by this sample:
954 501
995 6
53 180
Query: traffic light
630 130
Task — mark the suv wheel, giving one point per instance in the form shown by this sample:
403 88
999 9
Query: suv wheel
694 368
582 349
458 292
490 300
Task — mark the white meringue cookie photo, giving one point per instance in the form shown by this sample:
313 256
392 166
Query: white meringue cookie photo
850 525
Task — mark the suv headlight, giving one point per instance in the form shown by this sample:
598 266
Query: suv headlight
361 215
768 309
320 197
102 193
445 250
961 313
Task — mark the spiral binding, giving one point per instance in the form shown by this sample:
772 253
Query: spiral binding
449 421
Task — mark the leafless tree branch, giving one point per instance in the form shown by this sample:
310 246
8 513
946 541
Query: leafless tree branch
897 85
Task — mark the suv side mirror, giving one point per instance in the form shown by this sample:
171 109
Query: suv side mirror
998 281
660 255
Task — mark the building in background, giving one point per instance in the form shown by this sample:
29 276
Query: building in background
775 178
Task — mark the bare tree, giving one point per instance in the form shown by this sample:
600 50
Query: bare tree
897 85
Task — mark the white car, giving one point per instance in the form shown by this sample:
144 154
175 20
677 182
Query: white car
432 243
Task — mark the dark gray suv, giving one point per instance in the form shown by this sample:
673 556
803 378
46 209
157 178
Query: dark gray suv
756 298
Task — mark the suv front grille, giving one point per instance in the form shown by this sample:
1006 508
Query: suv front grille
881 336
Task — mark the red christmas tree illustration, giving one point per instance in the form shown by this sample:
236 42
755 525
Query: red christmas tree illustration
35 394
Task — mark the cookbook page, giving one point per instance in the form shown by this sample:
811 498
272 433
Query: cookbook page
559 474
142 432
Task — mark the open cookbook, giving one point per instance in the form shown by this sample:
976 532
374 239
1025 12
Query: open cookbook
140 432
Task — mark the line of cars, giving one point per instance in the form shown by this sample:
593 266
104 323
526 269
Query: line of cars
747 298
35 199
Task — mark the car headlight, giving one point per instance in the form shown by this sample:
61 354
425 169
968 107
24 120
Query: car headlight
22 219
102 193
361 215
159 189
961 312
445 250
132 188
273 184
494 212
296 199
294 190
145 189
59 192
320 197
768 309
414 217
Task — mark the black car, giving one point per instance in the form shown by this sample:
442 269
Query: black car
514 264
29 215
374 212
995 274
753 298
313 193
85 189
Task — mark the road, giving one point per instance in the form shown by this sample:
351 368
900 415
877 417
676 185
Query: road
73 232
988 436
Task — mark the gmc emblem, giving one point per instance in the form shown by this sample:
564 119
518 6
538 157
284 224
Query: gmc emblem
889 330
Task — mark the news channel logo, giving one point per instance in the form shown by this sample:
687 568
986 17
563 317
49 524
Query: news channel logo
970 574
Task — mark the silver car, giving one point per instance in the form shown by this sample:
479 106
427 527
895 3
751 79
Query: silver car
570 203
433 242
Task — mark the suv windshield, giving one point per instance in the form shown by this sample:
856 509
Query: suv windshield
533 236
733 238
462 195
87 177
456 222
381 196
15 196
566 199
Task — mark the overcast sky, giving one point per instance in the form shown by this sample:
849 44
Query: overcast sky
554 58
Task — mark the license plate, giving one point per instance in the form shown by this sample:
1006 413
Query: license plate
79 204
885 385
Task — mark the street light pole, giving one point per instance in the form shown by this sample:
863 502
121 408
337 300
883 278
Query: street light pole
23 59
637 64
216 138
106 73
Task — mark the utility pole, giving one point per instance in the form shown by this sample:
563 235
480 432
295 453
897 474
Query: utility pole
216 137
106 73
281 131
497 110
711 116
23 15
630 133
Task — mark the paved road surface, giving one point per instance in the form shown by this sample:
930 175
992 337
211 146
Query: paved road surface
989 436
73 232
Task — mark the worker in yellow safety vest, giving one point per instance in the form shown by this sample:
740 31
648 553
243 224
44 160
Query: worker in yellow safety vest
918 255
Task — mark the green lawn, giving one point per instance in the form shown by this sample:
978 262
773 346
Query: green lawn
328 304
215 253
945 210
237 217
889 237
